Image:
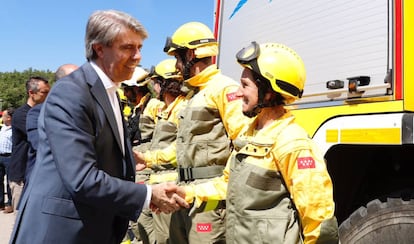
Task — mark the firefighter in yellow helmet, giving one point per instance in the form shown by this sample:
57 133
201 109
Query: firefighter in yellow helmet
208 124
170 82
140 124
142 118
275 184
167 77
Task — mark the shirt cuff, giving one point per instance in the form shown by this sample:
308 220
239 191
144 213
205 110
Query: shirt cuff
148 197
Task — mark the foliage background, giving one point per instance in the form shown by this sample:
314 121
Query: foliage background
12 86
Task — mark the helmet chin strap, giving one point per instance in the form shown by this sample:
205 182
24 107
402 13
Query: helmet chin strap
252 113
188 65
260 103
187 68
261 92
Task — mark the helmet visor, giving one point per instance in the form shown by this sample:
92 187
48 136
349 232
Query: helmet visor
152 72
248 56
170 45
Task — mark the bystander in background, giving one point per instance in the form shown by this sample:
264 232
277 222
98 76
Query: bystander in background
5 153
32 118
37 89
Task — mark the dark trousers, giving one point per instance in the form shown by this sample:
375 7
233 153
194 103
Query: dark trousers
4 164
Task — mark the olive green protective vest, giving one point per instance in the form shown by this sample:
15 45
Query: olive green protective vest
203 146
270 220
164 134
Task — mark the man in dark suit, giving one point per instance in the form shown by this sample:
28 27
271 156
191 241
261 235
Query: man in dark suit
31 122
37 89
82 186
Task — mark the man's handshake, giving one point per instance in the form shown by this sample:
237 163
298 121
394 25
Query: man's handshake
167 198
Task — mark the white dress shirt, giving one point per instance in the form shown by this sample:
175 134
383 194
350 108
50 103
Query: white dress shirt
111 89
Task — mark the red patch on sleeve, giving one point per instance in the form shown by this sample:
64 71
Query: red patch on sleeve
306 163
204 227
231 96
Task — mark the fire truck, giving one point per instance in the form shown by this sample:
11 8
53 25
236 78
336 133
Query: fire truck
358 100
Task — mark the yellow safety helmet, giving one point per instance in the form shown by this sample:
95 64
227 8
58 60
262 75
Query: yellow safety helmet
138 78
193 35
277 63
166 69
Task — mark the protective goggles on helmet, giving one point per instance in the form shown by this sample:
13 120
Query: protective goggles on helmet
170 44
249 56
153 73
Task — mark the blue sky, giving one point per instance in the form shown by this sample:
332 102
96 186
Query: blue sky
43 34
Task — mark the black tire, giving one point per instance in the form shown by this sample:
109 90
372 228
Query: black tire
390 222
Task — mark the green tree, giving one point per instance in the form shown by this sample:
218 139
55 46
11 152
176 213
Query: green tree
12 86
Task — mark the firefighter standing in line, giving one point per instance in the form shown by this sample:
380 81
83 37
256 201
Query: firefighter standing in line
141 122
170 81
140 126
276 184
206 126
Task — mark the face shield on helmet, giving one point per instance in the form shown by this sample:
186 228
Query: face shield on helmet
279 65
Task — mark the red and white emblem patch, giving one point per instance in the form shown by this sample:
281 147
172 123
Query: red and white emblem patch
204 227
306 163
231 96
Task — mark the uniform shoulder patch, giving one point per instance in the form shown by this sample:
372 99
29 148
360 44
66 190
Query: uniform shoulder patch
306 163
231 96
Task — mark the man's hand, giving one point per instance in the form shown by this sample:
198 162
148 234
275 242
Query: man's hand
140 163
167 198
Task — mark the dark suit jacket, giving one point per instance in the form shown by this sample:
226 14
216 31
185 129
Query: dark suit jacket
32 138
82 188
20 146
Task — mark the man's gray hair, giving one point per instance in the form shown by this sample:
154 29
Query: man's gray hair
105 25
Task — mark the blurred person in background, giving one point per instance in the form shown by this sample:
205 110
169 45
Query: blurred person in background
142 120
32 118
5 153
37 89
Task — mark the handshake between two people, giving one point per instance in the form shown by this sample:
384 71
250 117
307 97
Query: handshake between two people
167 198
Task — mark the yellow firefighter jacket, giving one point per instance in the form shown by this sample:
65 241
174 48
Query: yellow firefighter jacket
212 118
148 119
206 126
165 133
276 186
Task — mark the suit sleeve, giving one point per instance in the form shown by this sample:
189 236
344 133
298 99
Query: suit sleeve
77 131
